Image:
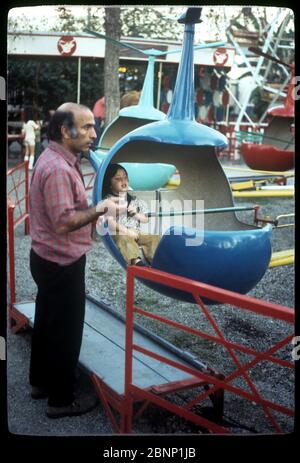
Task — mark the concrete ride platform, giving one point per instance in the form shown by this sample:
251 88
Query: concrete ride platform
103 349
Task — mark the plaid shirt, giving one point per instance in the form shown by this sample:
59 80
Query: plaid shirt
56 192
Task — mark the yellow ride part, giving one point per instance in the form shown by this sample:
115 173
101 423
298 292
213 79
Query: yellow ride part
263 193
282 258
288 173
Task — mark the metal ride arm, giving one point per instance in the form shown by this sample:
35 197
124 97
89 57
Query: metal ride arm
200 211
258 51
282 216
275 222
256 208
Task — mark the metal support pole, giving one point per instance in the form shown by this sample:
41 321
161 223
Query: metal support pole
257 70
126 420
78 79
26 224
159 85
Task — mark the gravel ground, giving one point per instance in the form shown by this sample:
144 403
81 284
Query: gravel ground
105 281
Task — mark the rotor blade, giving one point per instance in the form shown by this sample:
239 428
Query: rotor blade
116 42
196 47
257 51
158 52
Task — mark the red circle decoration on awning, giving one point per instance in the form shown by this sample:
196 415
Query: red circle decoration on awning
220 57
66 45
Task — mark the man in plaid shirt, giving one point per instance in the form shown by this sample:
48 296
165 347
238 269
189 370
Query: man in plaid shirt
60 228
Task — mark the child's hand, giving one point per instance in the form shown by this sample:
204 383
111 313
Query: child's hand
131 211
100 223
132 233
111 207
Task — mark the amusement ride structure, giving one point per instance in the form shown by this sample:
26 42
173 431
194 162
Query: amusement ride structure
266 145
131 366
275 149
233 255
147 175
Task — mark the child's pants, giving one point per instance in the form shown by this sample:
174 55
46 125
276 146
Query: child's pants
129 247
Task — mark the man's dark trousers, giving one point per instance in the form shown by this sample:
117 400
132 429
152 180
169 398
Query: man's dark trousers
58 327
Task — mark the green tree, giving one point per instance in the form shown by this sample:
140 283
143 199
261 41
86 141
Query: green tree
147 22
93 19
46 83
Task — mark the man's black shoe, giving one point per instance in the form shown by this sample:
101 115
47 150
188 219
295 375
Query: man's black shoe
77 407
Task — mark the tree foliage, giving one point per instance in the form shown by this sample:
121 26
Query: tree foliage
46 83
147 22
93 19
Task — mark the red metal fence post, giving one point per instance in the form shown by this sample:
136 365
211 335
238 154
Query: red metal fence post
11 253
26 224
128 405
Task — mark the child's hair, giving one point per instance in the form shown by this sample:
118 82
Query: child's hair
109 174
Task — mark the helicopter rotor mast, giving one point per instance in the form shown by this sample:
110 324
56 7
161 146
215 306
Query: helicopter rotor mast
182 106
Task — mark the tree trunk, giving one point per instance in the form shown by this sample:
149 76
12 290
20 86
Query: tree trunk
111 64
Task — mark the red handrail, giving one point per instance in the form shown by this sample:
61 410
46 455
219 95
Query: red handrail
199 291
17 201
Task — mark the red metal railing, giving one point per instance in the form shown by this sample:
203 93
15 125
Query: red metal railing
11 251
17 212
199 291
234 138
17 193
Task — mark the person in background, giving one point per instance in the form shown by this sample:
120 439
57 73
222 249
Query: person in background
60 229
125 229
99 115
38 142
29 130
130 98
44 128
